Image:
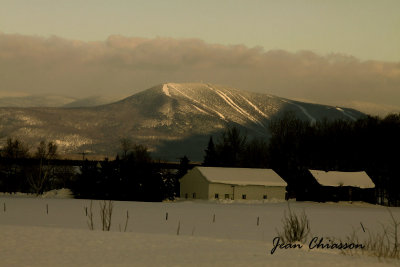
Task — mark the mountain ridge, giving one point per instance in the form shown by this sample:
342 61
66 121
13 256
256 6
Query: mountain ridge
172 119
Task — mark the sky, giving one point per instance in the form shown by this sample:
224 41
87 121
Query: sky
331 52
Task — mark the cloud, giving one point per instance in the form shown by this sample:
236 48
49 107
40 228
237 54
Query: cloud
123 66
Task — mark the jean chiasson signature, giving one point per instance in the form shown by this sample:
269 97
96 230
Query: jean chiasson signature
316 242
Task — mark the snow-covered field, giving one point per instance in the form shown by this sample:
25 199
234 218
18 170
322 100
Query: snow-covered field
54 232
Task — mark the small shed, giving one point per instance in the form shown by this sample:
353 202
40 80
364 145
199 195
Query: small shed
344 186
232 183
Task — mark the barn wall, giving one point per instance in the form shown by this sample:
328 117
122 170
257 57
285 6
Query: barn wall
221 190
252 192
278 192
194 182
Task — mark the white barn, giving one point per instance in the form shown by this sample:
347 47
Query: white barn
232 183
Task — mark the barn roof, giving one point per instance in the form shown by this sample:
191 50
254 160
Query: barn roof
242 176
334 178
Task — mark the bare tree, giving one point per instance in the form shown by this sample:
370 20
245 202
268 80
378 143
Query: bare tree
126 146
42 173
12 153
15 149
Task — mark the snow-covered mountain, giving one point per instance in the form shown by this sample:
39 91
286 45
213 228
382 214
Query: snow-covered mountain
171 119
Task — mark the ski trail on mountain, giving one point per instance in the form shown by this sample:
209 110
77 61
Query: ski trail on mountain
201 110
166 90
312 119
254 106
231 103
346 114
249 116
197 102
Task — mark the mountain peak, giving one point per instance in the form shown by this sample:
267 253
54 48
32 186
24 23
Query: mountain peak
181 88
172 119
165 89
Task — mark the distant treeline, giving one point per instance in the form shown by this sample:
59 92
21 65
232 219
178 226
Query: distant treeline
370 144
133 175
22 171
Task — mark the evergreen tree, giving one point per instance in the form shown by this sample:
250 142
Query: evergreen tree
183 166
211 157
13 170
231 147
256 154
182 170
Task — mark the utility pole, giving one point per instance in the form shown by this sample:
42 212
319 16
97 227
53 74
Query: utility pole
83 155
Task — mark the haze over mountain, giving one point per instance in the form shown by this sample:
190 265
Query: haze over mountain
91 101
123 65
171 119
25 101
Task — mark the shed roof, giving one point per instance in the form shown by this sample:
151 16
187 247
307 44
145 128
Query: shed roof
335 178
242 176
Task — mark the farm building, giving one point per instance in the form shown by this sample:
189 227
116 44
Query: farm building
343 186
232 183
